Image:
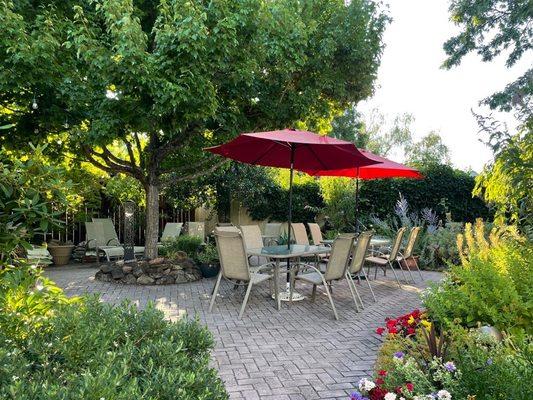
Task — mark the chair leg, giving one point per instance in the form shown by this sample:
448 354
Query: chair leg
358 296
395 276
403 272
369 285
246 296
276 289
331 300
313 294
419 272
215 291
411 275
350 283
292 283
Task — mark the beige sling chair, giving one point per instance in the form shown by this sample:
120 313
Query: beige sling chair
408 255
335 270
384 260
234 266
356 268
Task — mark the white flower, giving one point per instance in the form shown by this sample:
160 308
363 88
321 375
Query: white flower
111 94
390 396
366 384
444 395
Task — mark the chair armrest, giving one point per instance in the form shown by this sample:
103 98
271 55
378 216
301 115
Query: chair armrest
88 245
306 266
117 243
264 266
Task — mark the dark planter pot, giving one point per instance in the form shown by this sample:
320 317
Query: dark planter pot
209 270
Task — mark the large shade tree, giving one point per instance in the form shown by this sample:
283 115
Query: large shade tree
162 79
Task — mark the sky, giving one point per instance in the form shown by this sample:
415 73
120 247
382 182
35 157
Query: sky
410 80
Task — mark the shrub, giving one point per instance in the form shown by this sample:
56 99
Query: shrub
209 254
493 285
99 351
186 243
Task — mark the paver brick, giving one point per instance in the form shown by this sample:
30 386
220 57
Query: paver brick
296 353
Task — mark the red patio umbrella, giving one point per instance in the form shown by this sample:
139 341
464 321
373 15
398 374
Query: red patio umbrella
289 148
384 168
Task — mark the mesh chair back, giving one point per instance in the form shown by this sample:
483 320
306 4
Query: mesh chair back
94 234
110 234
397 243
358 257
232 255
273 229
316 233
338 258
226 228
252 236
196 229
172 230
413 235
299 233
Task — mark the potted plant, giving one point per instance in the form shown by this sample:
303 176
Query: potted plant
208 261
60 251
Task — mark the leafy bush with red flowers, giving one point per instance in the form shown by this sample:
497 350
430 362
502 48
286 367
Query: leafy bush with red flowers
404 325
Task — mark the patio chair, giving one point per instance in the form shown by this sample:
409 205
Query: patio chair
356 268
335 270
383 260
408 255
96 243
196 229
272 232
316 233
234 266
299 234
111 237
252 238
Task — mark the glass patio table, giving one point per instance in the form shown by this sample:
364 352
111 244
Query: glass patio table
282 252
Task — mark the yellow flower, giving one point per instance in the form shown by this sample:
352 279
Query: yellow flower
426 323
411 320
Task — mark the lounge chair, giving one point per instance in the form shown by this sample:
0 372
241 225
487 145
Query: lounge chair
356 267
252 238
234 266
96 243
335 270
171 231
111 237
196 229
383 260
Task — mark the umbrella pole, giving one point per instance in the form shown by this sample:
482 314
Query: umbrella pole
290 209
357 202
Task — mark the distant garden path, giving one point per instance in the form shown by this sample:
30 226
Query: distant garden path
298 353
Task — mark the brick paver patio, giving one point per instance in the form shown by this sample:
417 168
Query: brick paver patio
297 353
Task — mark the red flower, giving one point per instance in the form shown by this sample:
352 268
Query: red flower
378 394
399 389
393 330
380 330
379 381
411 331
391 323
416 313
382 372
409 386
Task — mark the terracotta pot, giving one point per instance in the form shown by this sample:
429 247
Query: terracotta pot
61 253
409 263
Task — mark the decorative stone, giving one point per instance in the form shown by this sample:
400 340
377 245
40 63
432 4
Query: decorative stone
106 268
160 271
145 280
129 279
180 256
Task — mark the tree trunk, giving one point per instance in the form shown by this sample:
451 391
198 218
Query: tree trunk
152 220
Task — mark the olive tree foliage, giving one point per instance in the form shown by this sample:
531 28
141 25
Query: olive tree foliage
491 28
163 79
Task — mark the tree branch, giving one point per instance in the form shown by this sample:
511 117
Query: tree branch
195 172
139 149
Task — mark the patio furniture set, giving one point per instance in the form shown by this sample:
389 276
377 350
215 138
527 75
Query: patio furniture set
331 260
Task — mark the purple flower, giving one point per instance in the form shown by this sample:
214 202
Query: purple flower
489 361
357 396
450 366
399 354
